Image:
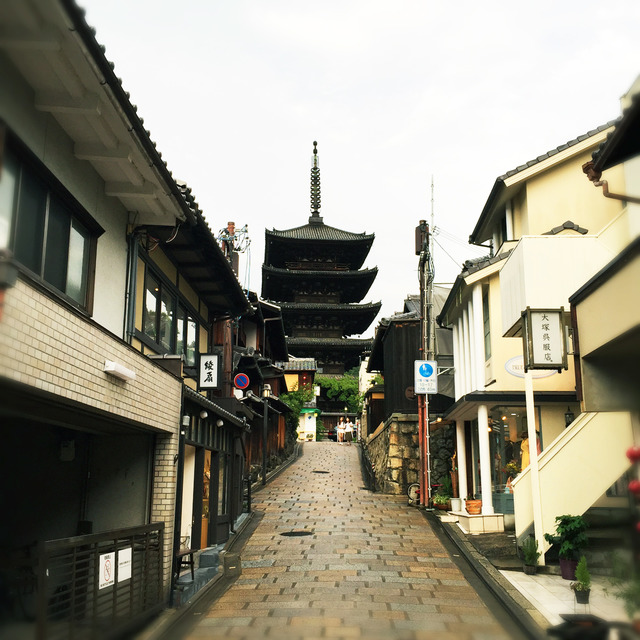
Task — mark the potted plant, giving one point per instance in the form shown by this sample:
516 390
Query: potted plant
473 506
531 555
441 501
571 537
582 586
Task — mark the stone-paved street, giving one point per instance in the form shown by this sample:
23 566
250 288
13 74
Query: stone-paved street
371 567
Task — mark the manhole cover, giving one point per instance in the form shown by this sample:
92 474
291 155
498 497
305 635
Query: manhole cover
297 533
318 471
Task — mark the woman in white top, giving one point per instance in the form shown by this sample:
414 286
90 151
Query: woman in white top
348 431
340 430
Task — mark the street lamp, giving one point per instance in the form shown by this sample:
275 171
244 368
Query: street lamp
266 393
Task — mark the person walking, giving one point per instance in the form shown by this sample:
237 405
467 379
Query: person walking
348 431
340 429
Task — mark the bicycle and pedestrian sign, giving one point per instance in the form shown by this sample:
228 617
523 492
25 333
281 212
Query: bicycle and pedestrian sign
425 376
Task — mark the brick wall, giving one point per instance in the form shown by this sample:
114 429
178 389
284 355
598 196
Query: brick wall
46 345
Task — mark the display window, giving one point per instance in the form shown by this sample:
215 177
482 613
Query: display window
509 444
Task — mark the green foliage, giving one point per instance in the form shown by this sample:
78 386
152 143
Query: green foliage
583 577
440 498
530 551
570 535
296 400
343 389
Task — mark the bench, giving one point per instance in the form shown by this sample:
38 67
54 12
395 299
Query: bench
184 558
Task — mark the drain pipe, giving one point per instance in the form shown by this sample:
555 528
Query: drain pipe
594 176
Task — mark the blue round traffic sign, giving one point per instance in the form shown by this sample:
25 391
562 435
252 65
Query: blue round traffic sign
241 381
426 370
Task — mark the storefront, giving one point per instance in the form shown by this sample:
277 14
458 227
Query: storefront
212 460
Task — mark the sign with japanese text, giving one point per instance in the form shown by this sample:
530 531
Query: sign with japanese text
544 340
209 370
107 570
426 376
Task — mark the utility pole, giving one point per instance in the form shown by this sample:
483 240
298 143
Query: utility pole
427 348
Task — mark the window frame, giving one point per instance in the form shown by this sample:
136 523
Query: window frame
179 301
28 166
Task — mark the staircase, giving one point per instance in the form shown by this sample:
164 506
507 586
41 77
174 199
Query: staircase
575 470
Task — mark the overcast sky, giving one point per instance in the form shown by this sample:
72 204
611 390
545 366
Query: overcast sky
396 93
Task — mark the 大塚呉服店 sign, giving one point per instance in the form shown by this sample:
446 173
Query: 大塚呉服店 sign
426 376
544 340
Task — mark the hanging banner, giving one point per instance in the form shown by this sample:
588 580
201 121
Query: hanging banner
209 370
426 376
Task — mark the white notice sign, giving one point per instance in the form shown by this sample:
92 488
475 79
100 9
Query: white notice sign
426 376
124 564
107 570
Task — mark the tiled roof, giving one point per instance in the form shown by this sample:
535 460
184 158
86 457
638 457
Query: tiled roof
298 364
557 150
477 264
319 232
327 306
346 343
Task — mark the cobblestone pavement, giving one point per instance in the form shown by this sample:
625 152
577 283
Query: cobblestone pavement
330 559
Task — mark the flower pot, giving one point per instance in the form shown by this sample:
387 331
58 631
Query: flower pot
473 507
568 568
582 597
530 569
456 504
443 507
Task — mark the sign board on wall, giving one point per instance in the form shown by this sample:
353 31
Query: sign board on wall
426 376
543 339
209 371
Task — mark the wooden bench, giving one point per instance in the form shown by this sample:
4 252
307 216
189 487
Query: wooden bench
184 558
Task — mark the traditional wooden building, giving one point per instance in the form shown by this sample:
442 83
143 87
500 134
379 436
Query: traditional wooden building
314 273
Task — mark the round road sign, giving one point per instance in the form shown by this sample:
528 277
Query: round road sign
241 381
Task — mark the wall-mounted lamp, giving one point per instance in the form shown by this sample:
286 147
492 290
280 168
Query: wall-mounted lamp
186 420
219 422
203 414
118 371
568 417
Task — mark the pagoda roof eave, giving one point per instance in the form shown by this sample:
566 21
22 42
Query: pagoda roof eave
320 232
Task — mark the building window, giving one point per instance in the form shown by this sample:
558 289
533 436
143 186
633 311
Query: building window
186 336
169 324
486 325
41 225
158 319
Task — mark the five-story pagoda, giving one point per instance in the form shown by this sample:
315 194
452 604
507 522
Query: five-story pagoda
314 273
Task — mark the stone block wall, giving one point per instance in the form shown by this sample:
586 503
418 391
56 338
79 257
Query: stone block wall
394 453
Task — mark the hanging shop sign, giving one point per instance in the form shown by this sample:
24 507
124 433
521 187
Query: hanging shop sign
425 376
543 339
209 371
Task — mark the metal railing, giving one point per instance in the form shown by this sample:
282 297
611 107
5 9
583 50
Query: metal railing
99 585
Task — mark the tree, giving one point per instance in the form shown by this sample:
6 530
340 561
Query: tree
343 390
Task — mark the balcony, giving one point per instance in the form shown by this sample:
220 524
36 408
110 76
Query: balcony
543 271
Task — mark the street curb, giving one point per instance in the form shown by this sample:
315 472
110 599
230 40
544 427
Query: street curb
172 616
529 619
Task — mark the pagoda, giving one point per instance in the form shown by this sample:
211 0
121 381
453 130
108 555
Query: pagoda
314 273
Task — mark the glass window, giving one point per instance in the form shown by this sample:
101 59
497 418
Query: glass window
8 182
78 265
166 319
32 203
508 443
186 335
57 241
151 304
486 325
40 227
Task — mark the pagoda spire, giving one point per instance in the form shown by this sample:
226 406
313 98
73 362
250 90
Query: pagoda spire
315 217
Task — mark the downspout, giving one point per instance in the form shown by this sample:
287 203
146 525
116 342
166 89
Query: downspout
132 275
594 176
